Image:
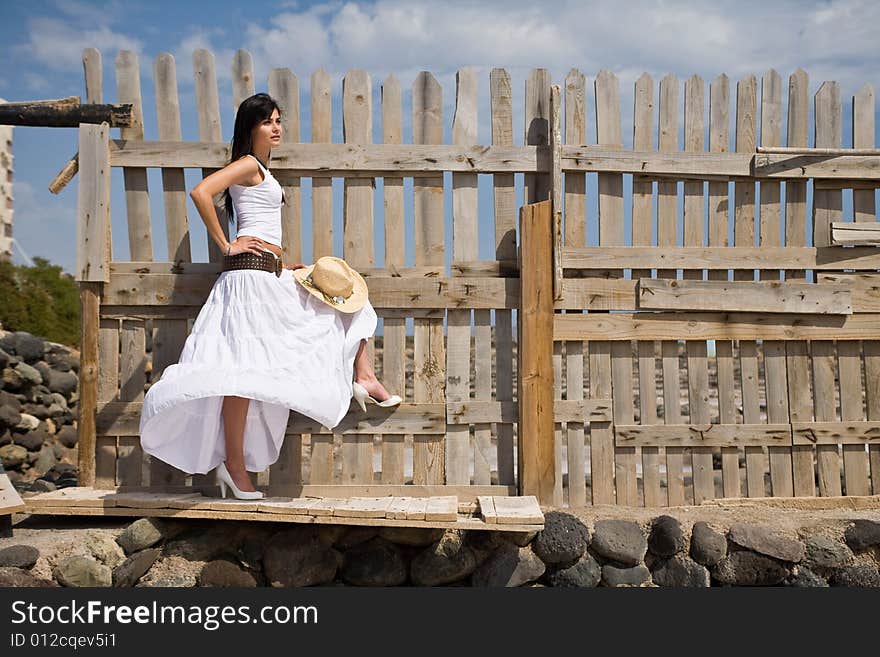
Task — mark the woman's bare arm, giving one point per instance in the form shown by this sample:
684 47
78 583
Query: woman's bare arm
240 172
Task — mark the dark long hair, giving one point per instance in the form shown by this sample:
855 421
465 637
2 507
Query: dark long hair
252 111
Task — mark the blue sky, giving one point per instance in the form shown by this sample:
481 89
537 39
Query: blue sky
41 43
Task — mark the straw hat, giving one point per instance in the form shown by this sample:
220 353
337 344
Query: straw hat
332 281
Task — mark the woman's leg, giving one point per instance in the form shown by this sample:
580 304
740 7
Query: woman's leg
364 374
234 416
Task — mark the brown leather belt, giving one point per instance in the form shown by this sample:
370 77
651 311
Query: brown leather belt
267 261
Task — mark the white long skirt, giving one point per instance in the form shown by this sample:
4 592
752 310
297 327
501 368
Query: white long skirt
262 337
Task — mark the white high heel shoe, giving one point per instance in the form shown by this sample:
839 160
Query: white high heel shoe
225 480
361 396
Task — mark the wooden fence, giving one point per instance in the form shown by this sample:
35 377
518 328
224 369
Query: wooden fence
604 438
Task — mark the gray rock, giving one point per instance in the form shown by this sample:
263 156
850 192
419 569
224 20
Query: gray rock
585 573
824 552
680 571
613 576
168 582
414 536
43 368
19 556
5 437
83 571
10 400
17 578
64 383
520 539
127 573
861 575
67 436
620 540
29 347
46 460
446 561
563 540
12 379
9 416
225 574
32 441
862 534
355 536
300 558
37 410
30 376
204 544
12 456
509 566
767 541
374 563
43 486
64 361
4 358
27 423
803 577
746 568
666 538
58 399
104 548
142 533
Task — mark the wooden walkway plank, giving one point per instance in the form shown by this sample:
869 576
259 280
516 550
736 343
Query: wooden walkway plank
441 508
487 508
10 500
519 510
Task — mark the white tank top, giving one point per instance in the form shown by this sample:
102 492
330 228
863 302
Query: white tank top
258 207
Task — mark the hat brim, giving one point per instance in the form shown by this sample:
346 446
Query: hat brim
357 299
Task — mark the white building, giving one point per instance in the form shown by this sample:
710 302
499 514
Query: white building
5 191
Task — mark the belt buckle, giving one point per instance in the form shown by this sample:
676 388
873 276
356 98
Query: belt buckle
278 266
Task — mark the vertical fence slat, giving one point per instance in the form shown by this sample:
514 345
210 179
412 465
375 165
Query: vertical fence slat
864 209
132 377
284 88
744 235
464 247
394 328
208 111
168 339
173 182
719 224
667 214
429 377
797 353
826 209
611 234
504 202
575 236
781 482
357 128
242 78
322 186
137 197
108 384
697 363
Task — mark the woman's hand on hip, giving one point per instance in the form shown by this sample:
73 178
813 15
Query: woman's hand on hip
246 244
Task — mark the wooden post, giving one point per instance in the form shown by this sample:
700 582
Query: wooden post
537 472
93 270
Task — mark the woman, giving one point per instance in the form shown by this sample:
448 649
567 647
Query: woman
267 340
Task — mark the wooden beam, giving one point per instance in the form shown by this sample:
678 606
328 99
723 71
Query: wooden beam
864 288
63 113
715 326
537 471
744 296
848 233
572 410
836 433
93 205
722 257
705 435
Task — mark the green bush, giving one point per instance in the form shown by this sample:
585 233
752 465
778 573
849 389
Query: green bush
41 300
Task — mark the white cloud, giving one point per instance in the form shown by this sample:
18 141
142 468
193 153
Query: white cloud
35 82
44 224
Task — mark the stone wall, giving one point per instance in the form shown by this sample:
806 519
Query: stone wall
569 553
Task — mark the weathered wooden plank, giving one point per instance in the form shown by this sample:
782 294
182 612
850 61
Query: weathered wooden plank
537 471
705 435
173 182
322 186
855 458
517 510
504 204
429 466
667 237
834 433
357 128
242 77
865 233
169 336
487 508
737 258
93 206
745 296
107 390
714 326
442 508
137 198
284 88
642 228
10 500
208 111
